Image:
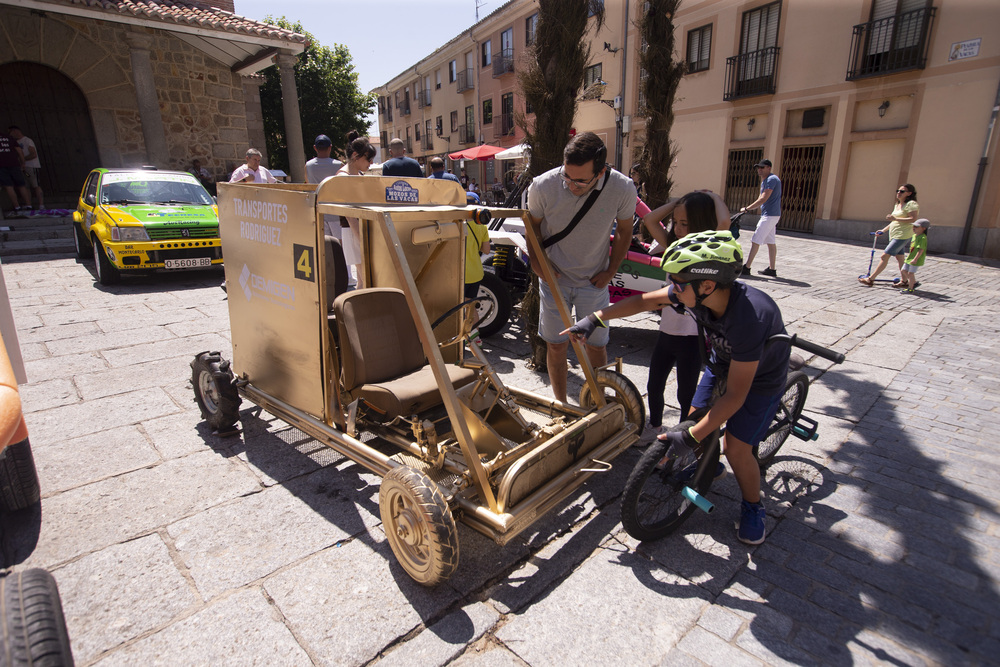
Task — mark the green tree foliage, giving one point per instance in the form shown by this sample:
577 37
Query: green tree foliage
550 83
658 90
330 101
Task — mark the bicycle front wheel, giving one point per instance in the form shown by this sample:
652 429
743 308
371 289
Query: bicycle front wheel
652 503
789 408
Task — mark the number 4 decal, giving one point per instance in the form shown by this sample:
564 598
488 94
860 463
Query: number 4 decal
305 265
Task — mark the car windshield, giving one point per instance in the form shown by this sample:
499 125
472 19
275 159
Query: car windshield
149 191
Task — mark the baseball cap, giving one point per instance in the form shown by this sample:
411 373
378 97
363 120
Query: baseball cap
763 163
922 222
322 141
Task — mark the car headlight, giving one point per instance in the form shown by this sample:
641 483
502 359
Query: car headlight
129 234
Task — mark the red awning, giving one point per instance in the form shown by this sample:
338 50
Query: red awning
484 152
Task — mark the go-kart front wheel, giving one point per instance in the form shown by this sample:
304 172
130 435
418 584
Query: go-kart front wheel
618 389
419 524
215 390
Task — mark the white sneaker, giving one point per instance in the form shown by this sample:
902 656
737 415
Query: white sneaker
655 430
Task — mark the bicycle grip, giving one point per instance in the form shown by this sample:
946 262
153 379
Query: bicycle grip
819 350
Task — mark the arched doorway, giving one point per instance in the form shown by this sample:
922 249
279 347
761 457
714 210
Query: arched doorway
51 109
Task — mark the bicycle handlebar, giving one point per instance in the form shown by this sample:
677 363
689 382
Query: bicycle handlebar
819 350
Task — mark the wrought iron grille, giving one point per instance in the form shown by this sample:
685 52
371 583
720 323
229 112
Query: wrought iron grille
466 134
423 98
503 125
801 169
465 80
742 182
753 73
892 44
503 62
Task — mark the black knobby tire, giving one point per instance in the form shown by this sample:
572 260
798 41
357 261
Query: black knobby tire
18 478
499 305
652 503
81 243
215 390
107 273
623 392
31 621
419 525
789 409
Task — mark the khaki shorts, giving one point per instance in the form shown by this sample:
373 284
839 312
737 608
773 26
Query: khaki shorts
31 175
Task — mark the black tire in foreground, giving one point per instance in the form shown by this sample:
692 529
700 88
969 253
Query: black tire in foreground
80 241
419 525
18 478
215 390
107 273
622 392
495 290
789 409
32 625
652 503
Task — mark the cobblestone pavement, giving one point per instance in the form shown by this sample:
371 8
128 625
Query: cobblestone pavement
171 546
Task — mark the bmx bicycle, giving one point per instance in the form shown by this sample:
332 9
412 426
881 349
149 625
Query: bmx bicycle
665 487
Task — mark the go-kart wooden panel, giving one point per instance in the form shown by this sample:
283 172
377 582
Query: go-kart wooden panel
272 278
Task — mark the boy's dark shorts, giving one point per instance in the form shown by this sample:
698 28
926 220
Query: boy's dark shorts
11 176
750 423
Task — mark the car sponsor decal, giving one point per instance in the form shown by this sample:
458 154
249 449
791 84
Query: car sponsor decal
256 286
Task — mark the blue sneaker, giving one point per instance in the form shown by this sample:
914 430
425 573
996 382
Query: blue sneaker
750 529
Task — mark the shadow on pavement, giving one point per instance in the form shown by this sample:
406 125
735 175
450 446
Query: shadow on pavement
877 545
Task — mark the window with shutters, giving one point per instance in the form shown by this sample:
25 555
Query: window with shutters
896 39
699 48
754 70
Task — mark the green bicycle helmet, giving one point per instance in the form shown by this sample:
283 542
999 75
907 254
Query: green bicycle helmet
704 256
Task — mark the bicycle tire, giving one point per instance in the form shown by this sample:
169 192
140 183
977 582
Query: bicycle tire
793 400
652 504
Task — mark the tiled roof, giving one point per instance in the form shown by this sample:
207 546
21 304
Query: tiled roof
189 13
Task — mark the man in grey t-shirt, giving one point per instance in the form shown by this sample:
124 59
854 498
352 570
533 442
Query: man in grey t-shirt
581 259
320 167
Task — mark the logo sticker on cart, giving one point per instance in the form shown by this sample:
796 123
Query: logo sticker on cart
258 286
402 192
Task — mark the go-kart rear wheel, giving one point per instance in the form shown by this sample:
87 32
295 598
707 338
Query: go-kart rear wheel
32 625
622 392
215 390
18 478
419 524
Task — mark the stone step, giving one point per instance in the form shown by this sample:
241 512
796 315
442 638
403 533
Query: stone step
23 234
36 221
36 247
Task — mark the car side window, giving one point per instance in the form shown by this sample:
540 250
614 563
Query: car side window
90 194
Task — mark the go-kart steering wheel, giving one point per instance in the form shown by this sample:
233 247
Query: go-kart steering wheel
463 332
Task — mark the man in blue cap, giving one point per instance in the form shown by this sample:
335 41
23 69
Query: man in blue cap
320 167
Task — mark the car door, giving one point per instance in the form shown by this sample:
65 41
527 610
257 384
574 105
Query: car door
88 199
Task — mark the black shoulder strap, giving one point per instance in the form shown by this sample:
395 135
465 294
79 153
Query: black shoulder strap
556 238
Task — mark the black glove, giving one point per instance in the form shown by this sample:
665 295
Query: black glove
586 326
679 441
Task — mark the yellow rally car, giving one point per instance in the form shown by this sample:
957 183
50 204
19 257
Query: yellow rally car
143 220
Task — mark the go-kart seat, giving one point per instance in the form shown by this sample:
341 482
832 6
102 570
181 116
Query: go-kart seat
381 357
336 270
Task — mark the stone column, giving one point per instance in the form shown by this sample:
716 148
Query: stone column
293 122
153 133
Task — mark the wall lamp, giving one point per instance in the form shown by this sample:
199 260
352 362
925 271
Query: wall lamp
750 124
882 107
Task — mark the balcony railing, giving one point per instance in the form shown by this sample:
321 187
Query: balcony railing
409 145
752 73
467 134
503 62
465 80
503 125
404 108
423 98
894 44
427 143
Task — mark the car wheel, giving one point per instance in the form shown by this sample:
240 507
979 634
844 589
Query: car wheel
81 243
18 478
107 273
497 309
32 624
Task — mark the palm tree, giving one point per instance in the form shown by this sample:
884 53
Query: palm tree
660 75
550 84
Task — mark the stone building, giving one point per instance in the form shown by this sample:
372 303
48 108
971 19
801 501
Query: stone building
123 83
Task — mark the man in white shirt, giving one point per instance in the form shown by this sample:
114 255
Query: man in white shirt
252 172
32 164
320 167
